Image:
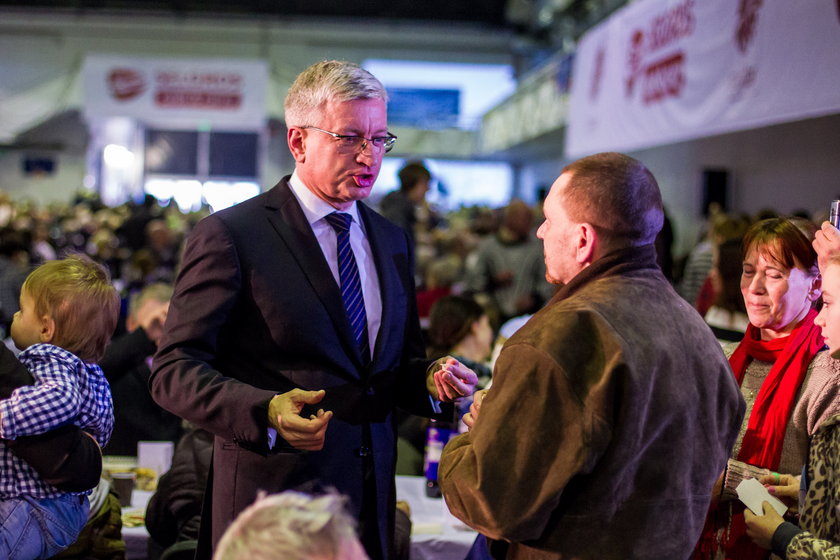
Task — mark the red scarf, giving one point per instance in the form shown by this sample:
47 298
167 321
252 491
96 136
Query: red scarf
791 356
762 444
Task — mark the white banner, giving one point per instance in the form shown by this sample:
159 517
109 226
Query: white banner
176 93
659 71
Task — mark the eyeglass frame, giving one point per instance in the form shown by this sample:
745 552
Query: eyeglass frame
388 141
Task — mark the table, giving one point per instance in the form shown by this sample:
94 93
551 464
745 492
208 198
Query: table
435 533
136 538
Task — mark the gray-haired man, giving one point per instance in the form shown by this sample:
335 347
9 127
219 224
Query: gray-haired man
293 332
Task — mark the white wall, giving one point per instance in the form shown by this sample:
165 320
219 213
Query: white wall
784 167
60 186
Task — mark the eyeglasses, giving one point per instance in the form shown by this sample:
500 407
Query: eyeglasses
348 144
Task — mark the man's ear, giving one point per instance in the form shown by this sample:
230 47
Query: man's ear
297 144
587 243
47 329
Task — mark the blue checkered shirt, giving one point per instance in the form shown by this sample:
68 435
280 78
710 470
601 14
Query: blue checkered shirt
66 391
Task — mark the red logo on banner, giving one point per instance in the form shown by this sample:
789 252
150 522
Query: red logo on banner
215 90
661 73
634 59
197 100
664 78
747 19
125 83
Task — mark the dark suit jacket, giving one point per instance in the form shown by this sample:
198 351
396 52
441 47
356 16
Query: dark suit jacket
136 416
256 312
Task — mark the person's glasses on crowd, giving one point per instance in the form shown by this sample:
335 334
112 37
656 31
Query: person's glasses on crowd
351 144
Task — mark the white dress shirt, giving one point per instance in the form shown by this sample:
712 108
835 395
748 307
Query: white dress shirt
315 211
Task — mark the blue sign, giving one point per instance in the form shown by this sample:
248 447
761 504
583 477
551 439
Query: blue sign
423 108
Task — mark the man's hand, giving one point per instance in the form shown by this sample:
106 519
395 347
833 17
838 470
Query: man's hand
760 528
151 316
301 433
471 416
826 243
452 380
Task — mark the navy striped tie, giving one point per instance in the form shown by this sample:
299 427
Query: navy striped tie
351 284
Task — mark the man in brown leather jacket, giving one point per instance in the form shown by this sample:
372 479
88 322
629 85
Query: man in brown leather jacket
613 409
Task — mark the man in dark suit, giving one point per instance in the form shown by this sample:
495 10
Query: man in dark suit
267 343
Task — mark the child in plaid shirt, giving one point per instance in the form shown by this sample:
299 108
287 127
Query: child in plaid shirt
68 312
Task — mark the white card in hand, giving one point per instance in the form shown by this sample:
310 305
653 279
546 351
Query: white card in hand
752 493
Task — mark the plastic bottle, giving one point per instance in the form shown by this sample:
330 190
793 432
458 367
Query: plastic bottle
437 434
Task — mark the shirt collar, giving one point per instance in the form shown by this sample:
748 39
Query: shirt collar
313 207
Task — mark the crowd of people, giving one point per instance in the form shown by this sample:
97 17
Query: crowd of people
284 337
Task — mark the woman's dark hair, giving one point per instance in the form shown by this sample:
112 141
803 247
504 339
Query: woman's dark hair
787 241
729 267
450 321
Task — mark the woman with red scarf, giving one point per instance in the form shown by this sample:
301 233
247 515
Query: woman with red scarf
789 383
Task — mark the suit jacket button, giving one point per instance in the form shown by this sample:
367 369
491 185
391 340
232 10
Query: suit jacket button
363 451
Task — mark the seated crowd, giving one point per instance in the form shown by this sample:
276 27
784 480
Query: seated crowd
480 273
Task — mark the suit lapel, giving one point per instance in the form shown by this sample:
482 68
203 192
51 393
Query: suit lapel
290 223
388 282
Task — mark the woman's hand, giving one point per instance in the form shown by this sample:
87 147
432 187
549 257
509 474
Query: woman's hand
826 243
783 486
760 528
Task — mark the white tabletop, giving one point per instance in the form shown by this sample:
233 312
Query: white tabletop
435 533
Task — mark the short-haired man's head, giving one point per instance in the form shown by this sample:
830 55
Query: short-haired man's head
290 525
518 218
157 291
77 294
442 273
328 80
412 174
617 195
